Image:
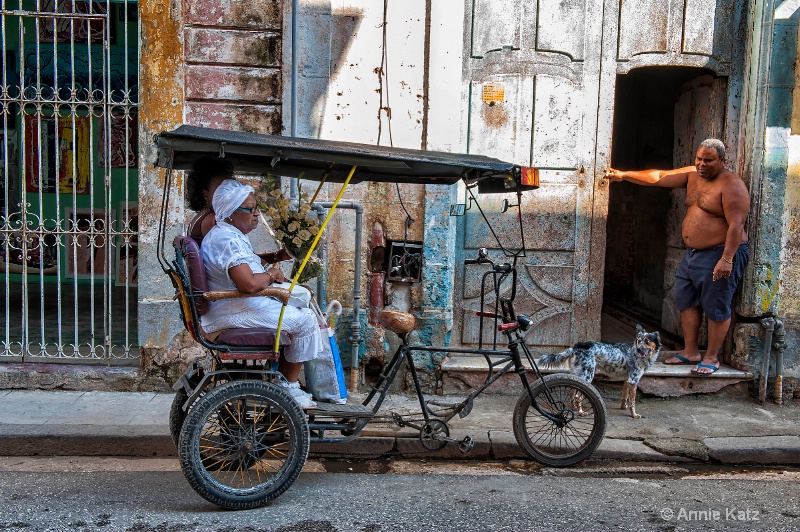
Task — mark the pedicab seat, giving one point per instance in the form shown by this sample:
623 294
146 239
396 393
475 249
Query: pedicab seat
396 321
230 344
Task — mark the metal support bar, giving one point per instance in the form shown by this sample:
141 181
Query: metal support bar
769 326
779 344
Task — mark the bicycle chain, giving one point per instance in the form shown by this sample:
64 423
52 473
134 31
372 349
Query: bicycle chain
389 421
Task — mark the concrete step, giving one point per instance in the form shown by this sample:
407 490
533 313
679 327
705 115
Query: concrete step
462 374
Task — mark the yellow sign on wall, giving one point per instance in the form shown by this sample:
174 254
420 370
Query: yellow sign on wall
493 92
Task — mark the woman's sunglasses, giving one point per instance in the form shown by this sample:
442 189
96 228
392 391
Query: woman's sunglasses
249 210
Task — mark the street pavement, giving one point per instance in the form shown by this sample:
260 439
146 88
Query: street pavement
723 428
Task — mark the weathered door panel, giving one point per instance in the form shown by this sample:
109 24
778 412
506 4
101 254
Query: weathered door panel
533 100
675 32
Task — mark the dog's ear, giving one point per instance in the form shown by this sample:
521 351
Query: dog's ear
639 329
658 337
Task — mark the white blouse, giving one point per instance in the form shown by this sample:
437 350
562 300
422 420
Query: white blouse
223 248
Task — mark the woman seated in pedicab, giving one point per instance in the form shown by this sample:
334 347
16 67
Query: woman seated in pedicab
231 264
206 175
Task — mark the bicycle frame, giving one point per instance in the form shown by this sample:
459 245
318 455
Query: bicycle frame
506 322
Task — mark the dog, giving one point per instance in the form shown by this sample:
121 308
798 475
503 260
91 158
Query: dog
626 361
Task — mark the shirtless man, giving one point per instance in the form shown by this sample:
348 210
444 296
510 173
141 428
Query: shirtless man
716 247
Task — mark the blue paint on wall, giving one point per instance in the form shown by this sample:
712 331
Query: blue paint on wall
435 323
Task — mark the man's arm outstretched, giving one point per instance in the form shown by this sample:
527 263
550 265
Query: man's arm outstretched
677 178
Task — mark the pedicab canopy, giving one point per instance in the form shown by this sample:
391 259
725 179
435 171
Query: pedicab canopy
314 158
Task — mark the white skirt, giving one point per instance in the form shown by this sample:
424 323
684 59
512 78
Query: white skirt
252 312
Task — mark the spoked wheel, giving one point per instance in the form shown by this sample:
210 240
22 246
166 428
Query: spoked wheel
582 415
177 416
243 444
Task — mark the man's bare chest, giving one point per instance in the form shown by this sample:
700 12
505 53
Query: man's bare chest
706 197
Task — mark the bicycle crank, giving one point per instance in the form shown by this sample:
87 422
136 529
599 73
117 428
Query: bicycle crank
435 434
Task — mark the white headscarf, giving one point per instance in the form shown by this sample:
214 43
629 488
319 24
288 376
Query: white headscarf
228 197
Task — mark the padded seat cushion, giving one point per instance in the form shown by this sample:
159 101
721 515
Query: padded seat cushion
197 271
251 337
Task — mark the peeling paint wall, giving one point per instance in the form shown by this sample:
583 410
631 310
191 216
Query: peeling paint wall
161 108
771 285
395 77
212 63
233 64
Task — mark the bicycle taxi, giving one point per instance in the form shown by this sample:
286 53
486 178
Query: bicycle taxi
242 440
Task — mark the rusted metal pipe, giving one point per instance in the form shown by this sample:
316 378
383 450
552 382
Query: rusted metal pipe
377 250
355 327
375 296
769 326
779 344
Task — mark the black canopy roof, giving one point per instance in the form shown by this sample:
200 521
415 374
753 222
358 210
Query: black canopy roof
290 156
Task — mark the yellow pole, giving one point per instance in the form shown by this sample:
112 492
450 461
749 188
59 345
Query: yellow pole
311 250
322 182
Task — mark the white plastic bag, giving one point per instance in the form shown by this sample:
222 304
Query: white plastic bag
325 374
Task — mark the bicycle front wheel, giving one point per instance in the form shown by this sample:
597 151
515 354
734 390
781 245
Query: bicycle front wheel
579 407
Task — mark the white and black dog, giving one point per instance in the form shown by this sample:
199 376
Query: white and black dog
626 361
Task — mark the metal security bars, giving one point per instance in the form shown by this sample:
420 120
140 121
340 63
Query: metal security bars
69 215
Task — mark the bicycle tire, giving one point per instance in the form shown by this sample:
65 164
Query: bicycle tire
243 444
177 416
542 438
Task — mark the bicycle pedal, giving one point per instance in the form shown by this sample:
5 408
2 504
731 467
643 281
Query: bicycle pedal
466 445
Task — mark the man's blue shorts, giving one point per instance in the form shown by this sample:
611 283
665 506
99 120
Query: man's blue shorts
694 287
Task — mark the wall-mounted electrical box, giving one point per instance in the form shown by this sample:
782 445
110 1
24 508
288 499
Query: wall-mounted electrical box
405 262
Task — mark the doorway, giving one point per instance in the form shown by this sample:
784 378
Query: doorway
660 114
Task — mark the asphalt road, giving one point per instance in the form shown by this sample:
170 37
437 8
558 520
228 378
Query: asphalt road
145 495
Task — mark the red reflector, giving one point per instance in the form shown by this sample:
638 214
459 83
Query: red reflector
507 326
530 176
483 314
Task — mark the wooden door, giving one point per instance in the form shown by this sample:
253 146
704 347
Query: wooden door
532 70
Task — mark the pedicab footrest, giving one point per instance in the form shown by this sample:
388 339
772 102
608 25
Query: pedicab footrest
332 410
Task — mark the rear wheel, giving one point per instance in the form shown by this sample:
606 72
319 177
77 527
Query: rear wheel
582 414
243 444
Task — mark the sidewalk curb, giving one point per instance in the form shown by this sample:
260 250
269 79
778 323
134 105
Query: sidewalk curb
756 450
77 440
145 445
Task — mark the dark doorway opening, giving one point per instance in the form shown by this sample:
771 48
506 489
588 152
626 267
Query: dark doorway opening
641 220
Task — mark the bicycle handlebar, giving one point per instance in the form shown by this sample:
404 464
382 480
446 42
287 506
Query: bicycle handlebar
499 268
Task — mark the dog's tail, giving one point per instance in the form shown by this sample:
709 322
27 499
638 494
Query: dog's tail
555 359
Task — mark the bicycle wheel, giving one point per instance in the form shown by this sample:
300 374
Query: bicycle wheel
243 444
573 400
177 416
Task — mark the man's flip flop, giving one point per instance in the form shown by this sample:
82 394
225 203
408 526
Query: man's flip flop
683 361
706 366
